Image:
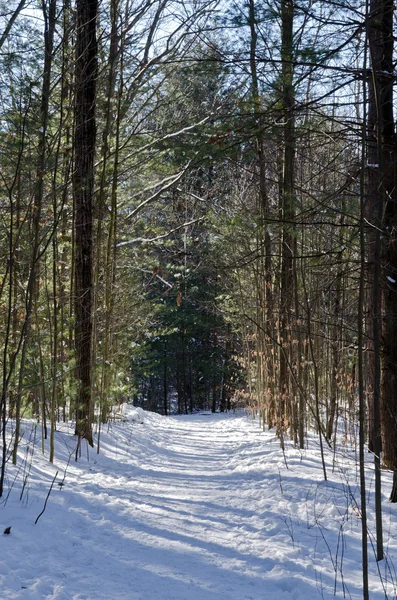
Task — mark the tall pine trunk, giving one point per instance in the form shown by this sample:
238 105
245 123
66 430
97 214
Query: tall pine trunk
287 208
382 200
83 188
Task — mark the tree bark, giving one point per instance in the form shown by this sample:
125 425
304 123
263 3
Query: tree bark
287 206
383 197
83 188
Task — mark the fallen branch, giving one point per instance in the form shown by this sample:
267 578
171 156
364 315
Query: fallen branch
46 500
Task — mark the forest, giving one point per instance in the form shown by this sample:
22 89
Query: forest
198 212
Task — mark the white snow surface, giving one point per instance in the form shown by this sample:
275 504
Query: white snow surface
199 507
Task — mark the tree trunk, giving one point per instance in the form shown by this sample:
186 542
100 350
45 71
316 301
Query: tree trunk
382 180
83 188
287 208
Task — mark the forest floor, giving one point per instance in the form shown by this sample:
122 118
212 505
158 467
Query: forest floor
200 507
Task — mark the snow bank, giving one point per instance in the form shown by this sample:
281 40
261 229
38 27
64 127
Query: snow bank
132 414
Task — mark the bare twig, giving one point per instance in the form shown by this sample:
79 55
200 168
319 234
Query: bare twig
46 500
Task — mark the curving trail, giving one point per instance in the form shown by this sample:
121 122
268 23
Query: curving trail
184 508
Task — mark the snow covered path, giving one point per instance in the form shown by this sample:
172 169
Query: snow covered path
186 508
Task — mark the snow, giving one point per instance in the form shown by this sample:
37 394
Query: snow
199 507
